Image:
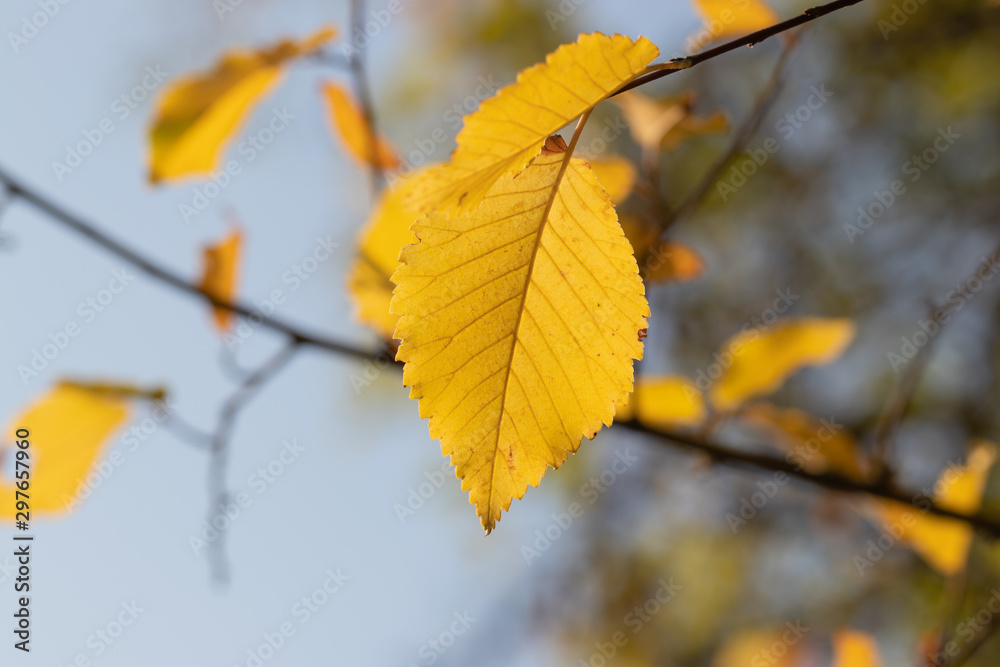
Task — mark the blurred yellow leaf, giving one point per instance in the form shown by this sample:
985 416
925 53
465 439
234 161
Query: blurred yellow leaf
348 122
852 648
67 430
519 323
197 115
221 264
727 19
660 261
774 647
692 126
665 401
616 174
944 543
381 239
666 123
756 362
509 129
818 445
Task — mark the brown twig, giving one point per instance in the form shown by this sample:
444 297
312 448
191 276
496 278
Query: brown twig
218 496
906 385
828 480
357 65
679 64
741 137
151 268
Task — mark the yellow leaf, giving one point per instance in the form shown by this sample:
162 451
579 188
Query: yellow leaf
370 279
664 401
728 19
616 174
67 429
198 114
221 264
694 126
757 646
519 324
817 445
349 123
666 123
660 261
759 361
509 129
852 648
942 542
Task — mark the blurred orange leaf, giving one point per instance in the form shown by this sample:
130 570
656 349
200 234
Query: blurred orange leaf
220 267
944 543
757 362
197 115
852 648
349 123
67 427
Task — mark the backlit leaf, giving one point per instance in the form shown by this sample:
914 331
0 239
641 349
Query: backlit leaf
220 266
616 174
942 542
852 648
348 122
197 115
728 19
664 401
67 430
758 361
818 445
509 129
519 323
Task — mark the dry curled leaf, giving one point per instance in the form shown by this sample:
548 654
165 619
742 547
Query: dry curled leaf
221 263
519 323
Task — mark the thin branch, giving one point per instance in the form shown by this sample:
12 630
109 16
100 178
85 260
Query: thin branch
828 480
151 268
906 385
765 100
678 64
357 65
220 445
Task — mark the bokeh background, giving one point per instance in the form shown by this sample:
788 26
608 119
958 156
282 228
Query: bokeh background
336 506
